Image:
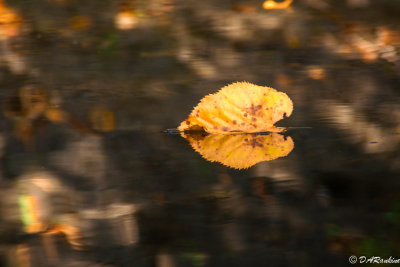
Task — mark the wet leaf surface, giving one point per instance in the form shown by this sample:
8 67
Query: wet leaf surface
239 107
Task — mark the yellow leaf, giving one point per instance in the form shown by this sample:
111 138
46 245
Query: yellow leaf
239 107
240 151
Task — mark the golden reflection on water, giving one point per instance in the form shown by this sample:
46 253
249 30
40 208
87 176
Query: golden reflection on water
240 151
125 19
10 22
271 4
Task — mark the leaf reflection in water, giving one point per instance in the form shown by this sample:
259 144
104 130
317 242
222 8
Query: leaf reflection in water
240 151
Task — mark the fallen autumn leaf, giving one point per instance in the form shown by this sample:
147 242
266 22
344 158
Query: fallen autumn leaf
239 107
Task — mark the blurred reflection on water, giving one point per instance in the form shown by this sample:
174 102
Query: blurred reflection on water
88 178
240 151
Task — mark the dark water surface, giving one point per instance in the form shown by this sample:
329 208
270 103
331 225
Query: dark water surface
90 178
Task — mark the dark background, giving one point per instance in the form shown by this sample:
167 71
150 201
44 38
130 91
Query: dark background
141 197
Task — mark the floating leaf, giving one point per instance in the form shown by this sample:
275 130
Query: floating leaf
239 107
240 151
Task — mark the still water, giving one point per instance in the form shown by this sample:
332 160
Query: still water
89 177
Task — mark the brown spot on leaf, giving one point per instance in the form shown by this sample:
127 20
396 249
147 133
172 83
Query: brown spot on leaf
234 122
253 109
253 119
225 129
245 114
255 143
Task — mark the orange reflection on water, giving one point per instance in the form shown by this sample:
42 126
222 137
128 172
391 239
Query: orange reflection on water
102 119
125 18
10 21
41 215
271 4
316 73
67 225
241 151
33 104
80 23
